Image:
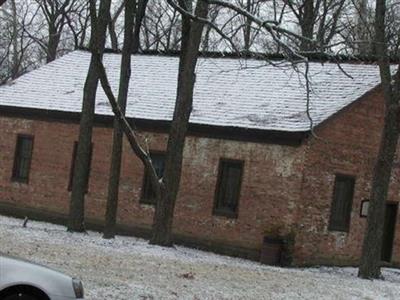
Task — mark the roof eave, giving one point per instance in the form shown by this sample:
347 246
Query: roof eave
289 138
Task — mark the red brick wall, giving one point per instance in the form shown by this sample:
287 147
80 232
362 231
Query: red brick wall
346 144
269 195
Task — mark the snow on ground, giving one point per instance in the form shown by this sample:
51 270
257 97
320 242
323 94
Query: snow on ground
128 268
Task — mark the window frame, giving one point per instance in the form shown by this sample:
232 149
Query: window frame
146 182
346 226
72 166
218 211
14 176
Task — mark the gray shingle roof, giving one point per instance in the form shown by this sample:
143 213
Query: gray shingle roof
228 92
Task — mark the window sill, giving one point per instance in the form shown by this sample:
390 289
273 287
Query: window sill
70 191
19 180
147 202
340 230
225 213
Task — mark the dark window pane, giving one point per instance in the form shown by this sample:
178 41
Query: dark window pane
148 194
22 159
228 187
342 203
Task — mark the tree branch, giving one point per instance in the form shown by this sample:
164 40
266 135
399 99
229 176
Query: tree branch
126 127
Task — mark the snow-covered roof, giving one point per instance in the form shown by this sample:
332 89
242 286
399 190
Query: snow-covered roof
229 92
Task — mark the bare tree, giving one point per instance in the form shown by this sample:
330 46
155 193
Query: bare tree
370 266
318 19
9 53
78 21
247 27
113 22
190 42
55 12
125 75
161 27
249 33
81 169
5 50
133 21
213 14
15 58
362 32
16 52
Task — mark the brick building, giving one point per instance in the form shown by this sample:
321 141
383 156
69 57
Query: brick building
251 166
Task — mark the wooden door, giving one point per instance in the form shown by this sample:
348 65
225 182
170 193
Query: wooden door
389 231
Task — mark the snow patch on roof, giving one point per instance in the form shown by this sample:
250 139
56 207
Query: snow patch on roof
228 92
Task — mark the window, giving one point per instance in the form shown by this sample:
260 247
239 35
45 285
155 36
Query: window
72 170
228 188
148 194
22 158
342 203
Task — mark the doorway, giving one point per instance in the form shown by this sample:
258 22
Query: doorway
389 230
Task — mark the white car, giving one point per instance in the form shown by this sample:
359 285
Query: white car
22 280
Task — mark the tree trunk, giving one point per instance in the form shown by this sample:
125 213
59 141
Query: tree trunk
115 168
362 45
370 266
307 25
247 27
141 12
113 36
15 56
113 21
191 38
52 44
206 41
81 171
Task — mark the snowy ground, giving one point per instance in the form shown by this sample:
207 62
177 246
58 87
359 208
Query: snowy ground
129 268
